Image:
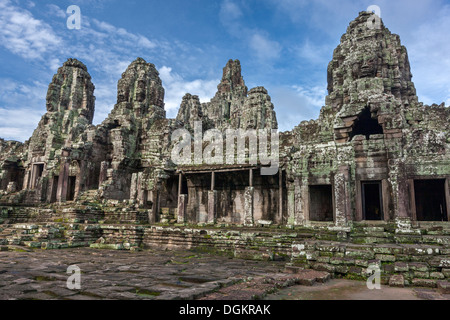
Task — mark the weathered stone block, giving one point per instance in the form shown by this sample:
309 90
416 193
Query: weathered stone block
323 259
443 287
342 269
324 267
420 274
397 280
401 267
437 275
385 257
429 283
417 266
359 254
446 272
441 262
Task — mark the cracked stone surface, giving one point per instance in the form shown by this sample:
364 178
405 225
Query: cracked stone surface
121 275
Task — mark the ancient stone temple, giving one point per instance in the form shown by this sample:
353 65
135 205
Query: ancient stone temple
375 153
376 159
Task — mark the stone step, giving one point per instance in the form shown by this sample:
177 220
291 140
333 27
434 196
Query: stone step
307 277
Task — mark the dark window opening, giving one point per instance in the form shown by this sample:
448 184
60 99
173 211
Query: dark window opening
372 201
321 203
71 188
430 200
54 189
365 125
227 112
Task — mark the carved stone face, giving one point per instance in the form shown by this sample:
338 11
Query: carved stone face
369 67
365 68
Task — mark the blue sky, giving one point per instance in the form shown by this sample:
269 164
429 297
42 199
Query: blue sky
283 45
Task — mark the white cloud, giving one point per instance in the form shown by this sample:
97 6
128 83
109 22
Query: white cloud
24 35
264 48
18 124
296 104
176 87
229 15
56 11
430 60
310 52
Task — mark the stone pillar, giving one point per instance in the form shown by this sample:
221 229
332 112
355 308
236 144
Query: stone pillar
63 181
134 186
291 204
154 213
141 193
180 183
341 196
399 189
212 200
300 219
280 196
103 172
212 206
447 196
248 207
182 208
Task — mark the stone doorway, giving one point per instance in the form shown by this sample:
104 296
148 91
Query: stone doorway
372 201
430 200
53 197
71 188
321 203
38 170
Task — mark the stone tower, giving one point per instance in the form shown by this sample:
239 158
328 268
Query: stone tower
70 110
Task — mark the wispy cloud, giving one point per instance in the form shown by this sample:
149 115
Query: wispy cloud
176 87
24 35
258 41
264 48
106 49
297 103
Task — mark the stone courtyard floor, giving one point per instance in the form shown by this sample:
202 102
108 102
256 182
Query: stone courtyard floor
167 275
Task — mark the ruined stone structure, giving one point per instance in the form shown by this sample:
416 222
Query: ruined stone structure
375 155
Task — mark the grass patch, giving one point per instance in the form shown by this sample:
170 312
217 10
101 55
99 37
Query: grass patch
147 293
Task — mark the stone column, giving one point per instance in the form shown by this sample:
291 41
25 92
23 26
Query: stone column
153 215
447 196
291 204
212 200
341 196
280 195
212 206
182 208
103 172
63 181
400 196
248 207
133 187
300 219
